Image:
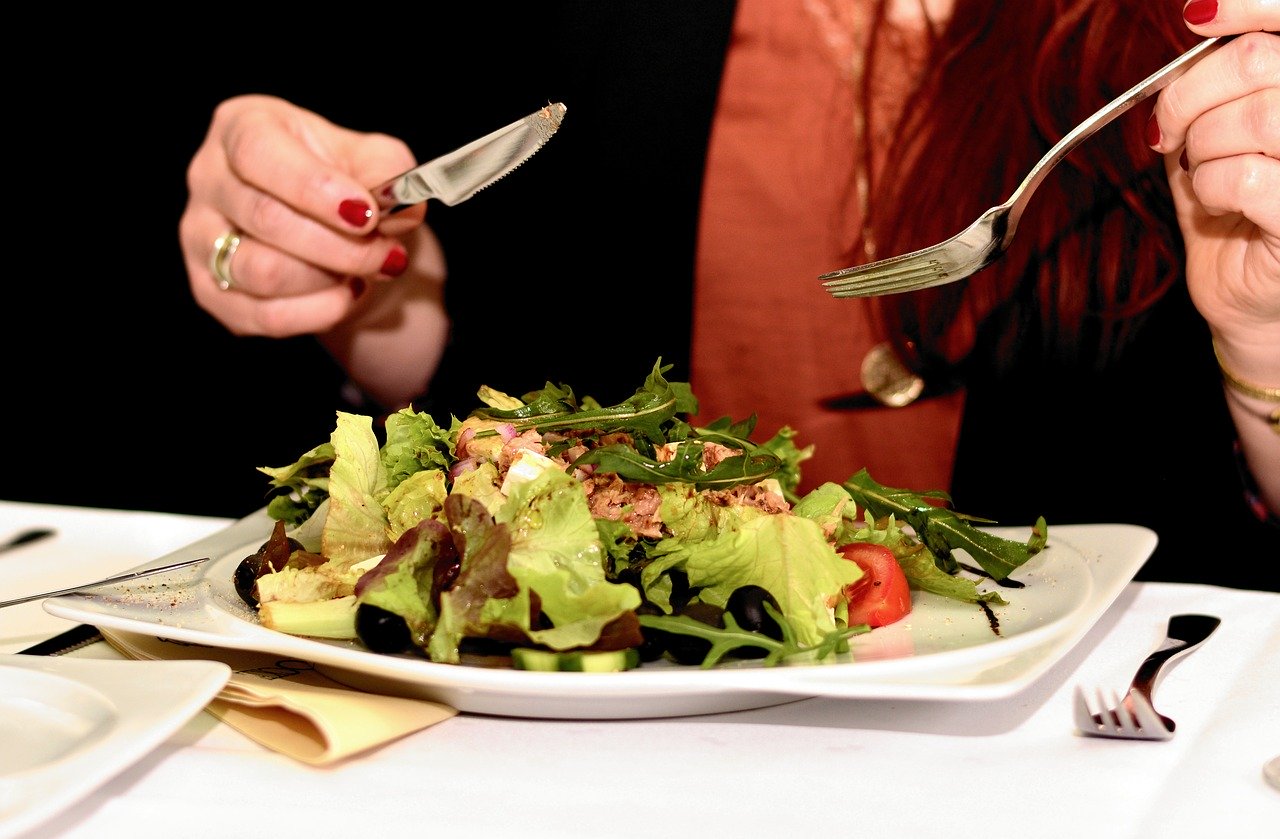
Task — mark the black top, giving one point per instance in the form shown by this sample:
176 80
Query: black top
577 268
1149 441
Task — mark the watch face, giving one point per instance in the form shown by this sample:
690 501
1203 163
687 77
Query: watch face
885 378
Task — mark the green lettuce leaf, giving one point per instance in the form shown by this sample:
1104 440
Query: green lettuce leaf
556 553
356 526
787 555
414 442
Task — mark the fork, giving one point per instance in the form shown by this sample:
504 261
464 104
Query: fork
1135 716
106 581
988 237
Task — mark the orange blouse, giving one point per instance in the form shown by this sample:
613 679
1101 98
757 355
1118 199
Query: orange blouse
777 212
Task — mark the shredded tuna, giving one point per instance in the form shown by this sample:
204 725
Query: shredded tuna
529 440
635 504
712 454
759 495
638 505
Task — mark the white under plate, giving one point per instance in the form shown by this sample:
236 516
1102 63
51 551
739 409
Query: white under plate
942 650
68 725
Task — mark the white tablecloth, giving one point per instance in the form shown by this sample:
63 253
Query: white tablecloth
815 767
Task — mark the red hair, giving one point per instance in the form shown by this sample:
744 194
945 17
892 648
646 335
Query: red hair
1099 243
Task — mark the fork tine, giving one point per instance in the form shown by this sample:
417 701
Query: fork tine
1125 723
1107 722
918 275
881 266
1130 718
1148 720
873 287
886 269
1086 723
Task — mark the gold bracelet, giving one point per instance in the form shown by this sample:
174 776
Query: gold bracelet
1267 394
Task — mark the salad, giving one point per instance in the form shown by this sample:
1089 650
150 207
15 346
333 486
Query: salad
561 534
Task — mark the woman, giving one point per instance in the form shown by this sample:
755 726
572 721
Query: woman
1077 374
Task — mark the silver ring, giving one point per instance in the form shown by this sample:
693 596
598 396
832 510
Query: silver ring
224 247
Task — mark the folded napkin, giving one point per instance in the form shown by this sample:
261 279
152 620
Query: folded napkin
289 706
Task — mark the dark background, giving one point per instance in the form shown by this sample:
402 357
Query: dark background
122 393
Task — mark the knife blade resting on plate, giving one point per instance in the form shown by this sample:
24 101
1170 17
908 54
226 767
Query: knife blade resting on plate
460 174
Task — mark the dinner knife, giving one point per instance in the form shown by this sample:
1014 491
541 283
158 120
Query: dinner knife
77 637
460 174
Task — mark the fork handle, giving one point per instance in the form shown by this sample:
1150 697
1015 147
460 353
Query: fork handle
1186 632
1154 83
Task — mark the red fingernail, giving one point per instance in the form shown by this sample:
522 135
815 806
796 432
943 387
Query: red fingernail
357 287
395 263
1199 12
1182 161
354 212
1153 130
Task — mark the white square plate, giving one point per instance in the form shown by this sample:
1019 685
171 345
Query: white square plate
944 650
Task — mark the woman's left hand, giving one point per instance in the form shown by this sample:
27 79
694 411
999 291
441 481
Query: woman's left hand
1219 129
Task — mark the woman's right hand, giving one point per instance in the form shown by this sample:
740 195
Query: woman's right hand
314 257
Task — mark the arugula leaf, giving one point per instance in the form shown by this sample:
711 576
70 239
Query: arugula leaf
733 637
554 408
780 446
921 567
631 465
944 530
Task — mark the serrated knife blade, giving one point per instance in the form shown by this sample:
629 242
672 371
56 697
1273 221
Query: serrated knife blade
460 174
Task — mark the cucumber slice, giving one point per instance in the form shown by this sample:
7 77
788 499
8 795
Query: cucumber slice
525 658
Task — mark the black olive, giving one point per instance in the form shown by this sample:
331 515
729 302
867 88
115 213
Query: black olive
631 576
687 649
680 591
382 631
746 605
246 579
270 556
655 641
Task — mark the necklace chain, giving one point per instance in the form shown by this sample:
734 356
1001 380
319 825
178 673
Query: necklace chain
854 32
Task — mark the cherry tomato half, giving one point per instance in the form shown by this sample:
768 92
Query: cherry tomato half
881 595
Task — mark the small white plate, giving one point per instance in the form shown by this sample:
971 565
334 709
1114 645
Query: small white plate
943 650
68 725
